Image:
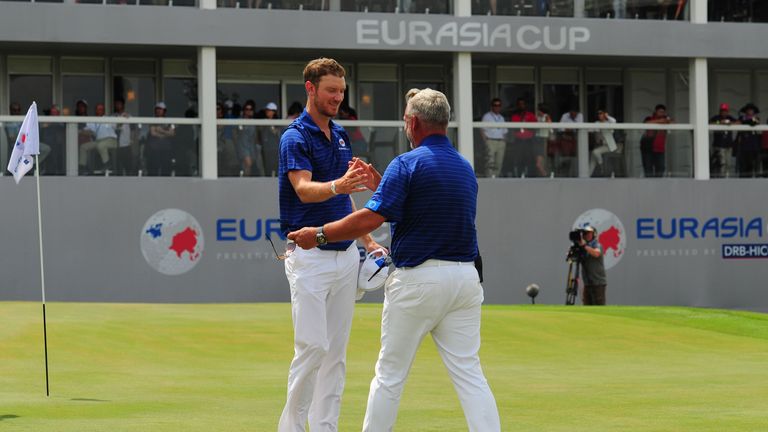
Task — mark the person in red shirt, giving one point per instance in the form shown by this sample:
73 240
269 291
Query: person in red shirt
654 142
523 145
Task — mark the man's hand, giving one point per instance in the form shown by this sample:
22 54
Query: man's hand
374 177
354 180
306 237
372 246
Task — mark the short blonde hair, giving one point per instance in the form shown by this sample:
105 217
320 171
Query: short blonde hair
318 68
430 106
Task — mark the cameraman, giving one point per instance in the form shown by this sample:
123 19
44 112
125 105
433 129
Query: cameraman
593 268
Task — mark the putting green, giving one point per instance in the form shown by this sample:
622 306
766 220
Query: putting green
157 367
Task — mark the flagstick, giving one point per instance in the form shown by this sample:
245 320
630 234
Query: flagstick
42 272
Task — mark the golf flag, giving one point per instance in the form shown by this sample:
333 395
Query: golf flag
27 145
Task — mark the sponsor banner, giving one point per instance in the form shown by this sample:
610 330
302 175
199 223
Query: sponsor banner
741 251
191 240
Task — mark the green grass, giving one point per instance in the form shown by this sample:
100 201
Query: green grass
146 367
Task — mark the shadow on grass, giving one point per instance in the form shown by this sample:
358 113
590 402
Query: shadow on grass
89 400
8 416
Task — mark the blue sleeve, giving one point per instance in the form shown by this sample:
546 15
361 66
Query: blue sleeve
389 198
294 151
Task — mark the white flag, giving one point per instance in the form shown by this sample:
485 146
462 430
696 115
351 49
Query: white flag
27 145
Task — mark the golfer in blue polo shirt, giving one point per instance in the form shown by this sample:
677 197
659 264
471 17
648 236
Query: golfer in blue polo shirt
429 197
315 180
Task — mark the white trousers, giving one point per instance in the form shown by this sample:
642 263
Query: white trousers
323 287
442 298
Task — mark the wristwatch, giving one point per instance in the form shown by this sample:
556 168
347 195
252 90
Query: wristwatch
333 187
320 237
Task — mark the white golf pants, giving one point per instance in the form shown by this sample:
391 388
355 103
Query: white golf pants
323 287
442 298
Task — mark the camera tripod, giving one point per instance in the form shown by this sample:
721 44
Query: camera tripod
574 271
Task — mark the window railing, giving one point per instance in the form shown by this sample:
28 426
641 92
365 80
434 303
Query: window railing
117 146
139 147
251 147
555 150
738 151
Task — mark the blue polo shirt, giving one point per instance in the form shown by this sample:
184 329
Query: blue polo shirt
429 197
304 146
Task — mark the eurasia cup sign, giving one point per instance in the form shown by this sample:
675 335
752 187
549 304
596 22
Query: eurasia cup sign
610 233
172 242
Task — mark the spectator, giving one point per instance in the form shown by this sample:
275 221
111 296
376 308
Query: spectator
494 139
186 146
103 139
81 110
523 141
544 138
565 157
294 110
764 153
749 143
248 149
605 142
126 140
159 146
227 155
653 143
722 143
269 138
359 144
54 135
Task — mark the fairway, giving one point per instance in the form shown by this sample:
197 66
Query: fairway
223 367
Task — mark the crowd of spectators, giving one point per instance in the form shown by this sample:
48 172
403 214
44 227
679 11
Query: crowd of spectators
131 149
550 152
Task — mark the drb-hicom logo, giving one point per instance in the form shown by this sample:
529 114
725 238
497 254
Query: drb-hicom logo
610 233
172 241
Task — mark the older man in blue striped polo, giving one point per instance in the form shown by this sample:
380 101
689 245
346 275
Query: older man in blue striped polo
429 196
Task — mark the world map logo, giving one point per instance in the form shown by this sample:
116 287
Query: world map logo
610 233
172 242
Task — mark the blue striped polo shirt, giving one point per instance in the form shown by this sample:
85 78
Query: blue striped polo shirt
429 197
303 146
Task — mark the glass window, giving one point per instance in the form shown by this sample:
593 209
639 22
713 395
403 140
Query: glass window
509 93
295 94
272 4
368 5
481 102
561 98
25 89
378 101
605 97
481 99
88 88
238 93
639 9
180 96
425 6
138 93
738 10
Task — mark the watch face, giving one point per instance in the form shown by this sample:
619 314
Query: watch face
321 239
